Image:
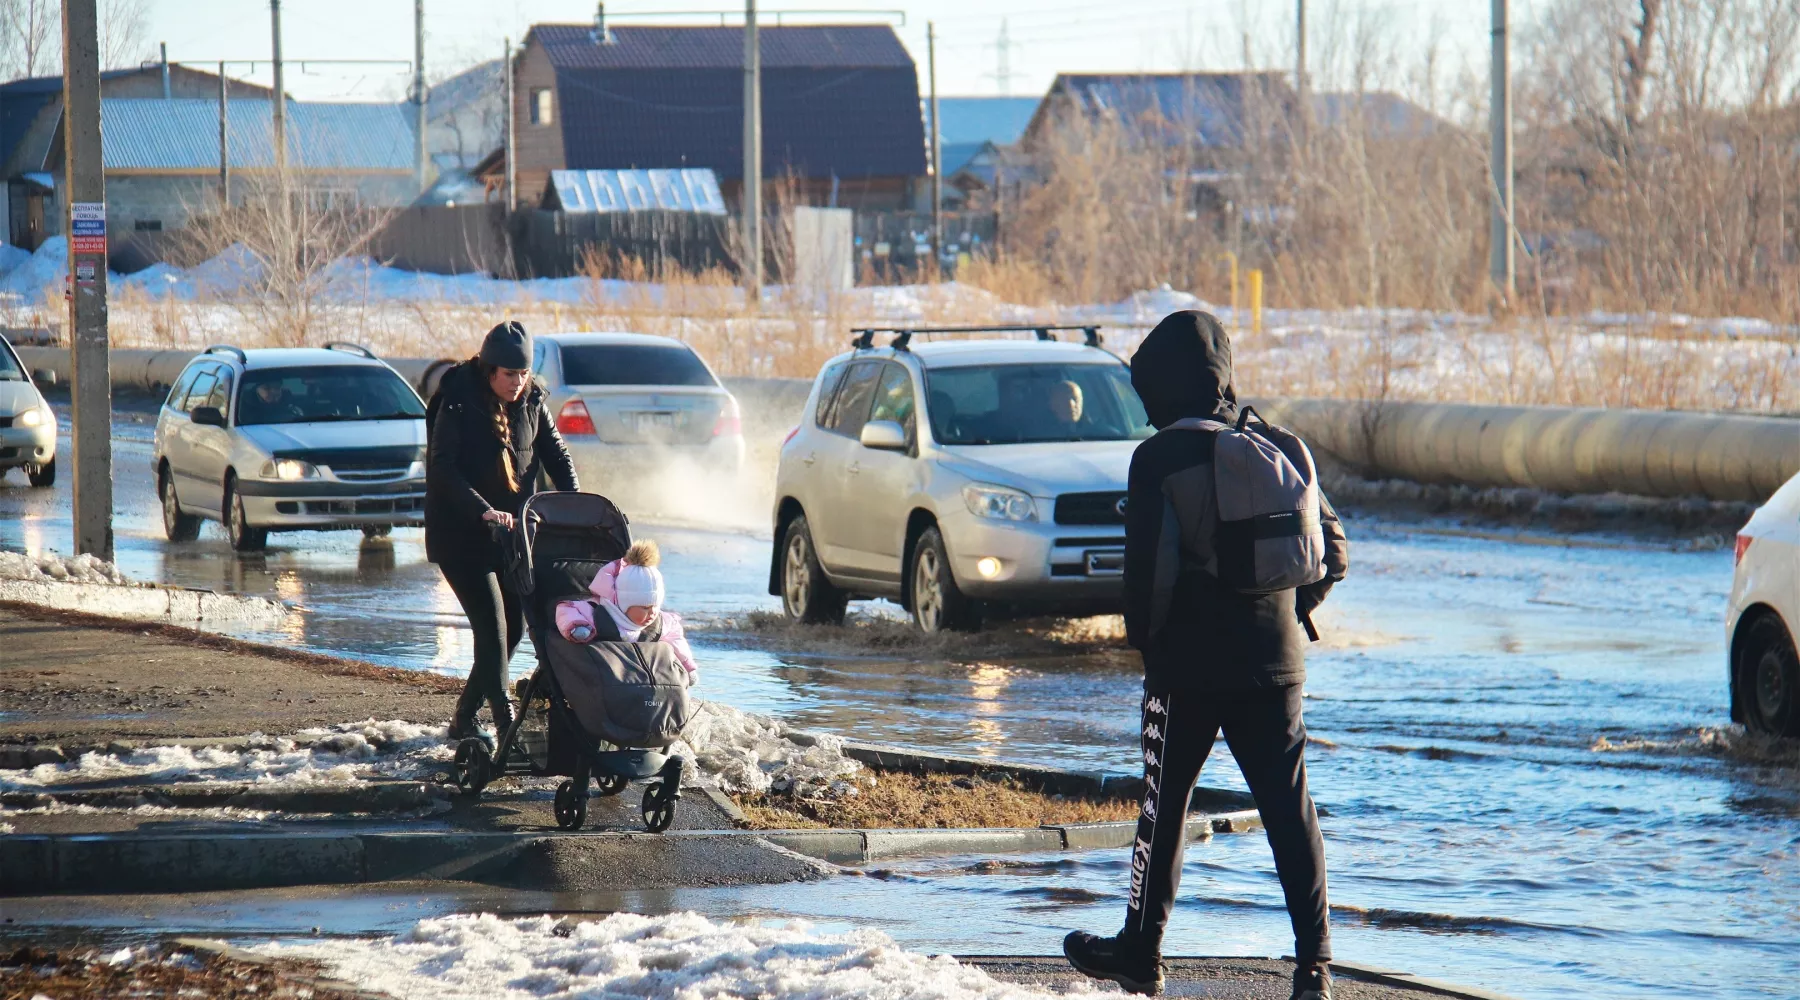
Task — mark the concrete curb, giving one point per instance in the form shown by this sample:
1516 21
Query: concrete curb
1389 977
172 605
35 864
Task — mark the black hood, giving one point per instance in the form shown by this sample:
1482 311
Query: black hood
1183 369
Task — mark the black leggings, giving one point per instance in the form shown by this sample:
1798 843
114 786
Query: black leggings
1268 738
493 613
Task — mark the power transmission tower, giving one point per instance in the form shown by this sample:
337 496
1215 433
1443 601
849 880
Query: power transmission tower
1002 47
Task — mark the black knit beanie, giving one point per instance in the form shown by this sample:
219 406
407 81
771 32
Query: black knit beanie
507 346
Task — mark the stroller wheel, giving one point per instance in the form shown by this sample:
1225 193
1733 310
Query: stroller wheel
571 806
659 809
475 765
611 784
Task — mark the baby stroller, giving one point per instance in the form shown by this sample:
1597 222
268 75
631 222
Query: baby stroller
604 711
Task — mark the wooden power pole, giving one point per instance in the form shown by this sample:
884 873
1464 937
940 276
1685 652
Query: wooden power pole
91 393
937 159
1500 237
279 107
419 94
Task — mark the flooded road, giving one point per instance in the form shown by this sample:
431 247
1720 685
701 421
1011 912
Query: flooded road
1506 754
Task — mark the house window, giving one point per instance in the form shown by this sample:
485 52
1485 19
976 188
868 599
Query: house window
148 225
540 106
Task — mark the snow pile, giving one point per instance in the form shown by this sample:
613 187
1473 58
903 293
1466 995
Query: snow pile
84 568
43 271
627 956
334 755
758 754
11 257
1145 308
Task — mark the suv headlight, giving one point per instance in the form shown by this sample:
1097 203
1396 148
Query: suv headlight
1000 502
416 470
289 468
37 416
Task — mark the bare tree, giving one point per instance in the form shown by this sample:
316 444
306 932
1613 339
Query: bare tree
123 27
30 37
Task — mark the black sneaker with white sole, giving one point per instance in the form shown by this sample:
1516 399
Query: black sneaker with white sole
1119 959
1312 982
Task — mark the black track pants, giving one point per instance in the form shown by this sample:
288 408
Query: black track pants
493 613
1268 738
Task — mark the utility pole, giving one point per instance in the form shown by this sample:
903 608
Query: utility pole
937 159
1300 86
224 146
279 107
91 393
512 175
419 93
753 252
1500 252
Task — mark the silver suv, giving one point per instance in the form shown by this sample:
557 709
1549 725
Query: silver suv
958 477
289 439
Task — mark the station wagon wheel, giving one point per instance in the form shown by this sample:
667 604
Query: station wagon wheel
938 603
806 595
244 538
1769 679
177 526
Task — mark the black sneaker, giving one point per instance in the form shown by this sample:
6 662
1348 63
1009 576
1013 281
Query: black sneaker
1312 982
1118 959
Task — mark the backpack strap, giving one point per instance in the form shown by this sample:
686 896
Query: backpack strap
1244 417
1196 424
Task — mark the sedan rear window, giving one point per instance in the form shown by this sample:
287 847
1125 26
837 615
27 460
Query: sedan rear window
326 393
633 364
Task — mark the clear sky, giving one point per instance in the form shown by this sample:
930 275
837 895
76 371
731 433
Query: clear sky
1047 36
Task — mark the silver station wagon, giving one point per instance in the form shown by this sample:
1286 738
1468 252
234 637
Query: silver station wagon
289 439
956 478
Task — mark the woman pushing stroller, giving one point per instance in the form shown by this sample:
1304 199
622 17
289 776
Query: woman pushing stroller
490 437
628 594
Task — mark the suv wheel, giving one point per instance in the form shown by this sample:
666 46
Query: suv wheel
243 537
806 595
938 604
177 526
1768 679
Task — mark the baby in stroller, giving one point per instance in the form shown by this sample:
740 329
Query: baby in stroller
629 591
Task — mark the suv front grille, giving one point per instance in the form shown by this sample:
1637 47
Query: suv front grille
1090 508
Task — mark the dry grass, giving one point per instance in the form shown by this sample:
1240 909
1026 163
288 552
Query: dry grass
933 801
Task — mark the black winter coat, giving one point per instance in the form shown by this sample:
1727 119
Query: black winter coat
463 480
1215 639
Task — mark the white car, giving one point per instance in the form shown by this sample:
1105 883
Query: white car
27 424
289 439
956 478
627 403
1764 613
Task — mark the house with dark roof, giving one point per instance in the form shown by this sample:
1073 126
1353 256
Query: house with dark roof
840 108
30 134
1204 110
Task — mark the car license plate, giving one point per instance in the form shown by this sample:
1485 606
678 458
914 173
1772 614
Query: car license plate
1105 562
651 422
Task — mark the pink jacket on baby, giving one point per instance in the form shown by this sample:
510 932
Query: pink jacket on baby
570 614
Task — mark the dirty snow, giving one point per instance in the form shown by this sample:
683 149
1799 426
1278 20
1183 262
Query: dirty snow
339 754
84 568
738 751
625 956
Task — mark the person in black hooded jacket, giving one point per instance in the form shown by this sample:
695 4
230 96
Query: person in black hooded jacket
490 436
1220 660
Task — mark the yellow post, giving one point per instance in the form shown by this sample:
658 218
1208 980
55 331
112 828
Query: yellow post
1232 257
1256 300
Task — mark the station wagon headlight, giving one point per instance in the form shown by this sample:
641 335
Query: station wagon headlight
1000 502
289 468
416 470
37 416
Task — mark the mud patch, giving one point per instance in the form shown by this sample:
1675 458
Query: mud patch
938 801
151 973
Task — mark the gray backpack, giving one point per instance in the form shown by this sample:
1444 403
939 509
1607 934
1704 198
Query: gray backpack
630 694
1251 518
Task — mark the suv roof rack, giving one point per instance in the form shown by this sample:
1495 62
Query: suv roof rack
865 337
243 359
349 348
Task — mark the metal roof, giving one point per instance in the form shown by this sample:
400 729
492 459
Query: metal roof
826 46
183 135
1208 108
